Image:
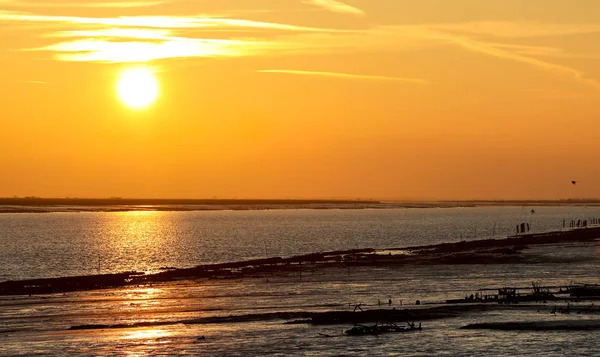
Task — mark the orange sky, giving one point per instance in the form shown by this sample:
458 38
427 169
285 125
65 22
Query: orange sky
428 99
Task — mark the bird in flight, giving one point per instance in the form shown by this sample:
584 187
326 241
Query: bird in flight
574 182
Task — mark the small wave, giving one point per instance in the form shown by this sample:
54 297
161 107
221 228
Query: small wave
566 325
10 331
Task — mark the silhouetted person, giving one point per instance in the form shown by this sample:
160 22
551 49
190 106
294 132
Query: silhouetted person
390 302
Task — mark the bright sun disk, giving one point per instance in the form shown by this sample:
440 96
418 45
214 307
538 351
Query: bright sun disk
137 87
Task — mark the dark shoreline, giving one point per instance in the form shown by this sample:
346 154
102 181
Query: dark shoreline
486 251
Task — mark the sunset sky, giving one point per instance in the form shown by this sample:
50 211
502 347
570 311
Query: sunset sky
396 99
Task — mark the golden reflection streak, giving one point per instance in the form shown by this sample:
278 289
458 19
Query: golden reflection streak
146 333
142 293
143 211
134 240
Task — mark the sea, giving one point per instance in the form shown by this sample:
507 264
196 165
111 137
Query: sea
238 317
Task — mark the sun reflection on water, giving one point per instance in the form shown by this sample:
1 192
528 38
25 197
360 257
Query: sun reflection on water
142 292
146 334
144 240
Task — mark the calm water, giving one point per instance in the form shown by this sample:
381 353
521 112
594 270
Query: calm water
39 326
73 243
65 244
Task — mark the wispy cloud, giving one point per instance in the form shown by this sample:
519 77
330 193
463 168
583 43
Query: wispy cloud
35 82
345 75
405 37
94 50
542 51
104 4
516 29
336 6
120 33
494 50
168 22
147 38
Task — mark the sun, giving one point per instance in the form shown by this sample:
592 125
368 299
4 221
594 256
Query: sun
137 87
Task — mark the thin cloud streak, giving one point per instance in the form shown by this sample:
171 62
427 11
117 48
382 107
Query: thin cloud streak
93 50
517 29
107 4
345 75
128 33
168 22
541 51
336 6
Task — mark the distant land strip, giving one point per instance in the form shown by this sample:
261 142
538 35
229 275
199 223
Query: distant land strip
36 201
48 205
118 204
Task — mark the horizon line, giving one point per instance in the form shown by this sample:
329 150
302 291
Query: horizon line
314 199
